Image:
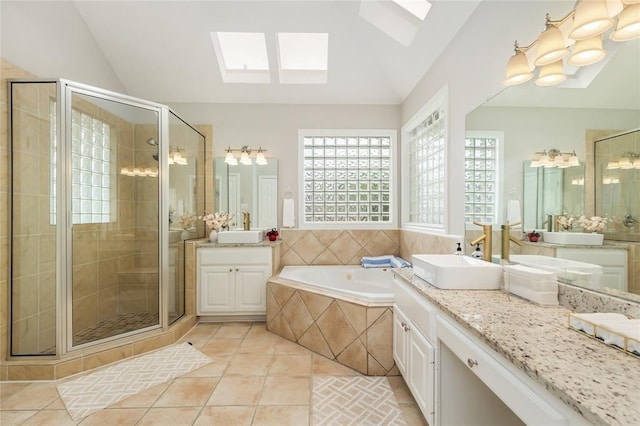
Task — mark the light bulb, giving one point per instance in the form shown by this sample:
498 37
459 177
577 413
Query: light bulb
551 74
587 51
244 158
260 160
230 159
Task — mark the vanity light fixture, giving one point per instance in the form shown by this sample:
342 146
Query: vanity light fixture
628 160
555 158
585 26
245 156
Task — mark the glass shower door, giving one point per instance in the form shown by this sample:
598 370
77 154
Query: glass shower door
115 209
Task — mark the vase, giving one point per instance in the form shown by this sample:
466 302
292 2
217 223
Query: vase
213 236
185 234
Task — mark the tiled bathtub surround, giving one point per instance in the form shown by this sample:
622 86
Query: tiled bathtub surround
354 335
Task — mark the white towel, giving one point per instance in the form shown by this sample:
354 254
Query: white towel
288 213
513 212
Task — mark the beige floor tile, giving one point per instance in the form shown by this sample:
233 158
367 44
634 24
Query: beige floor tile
214 369
285 390
412 415
8 389
14 418
187 392
322 366
170 416
237 390
114 416
143 399
400 390
35 396
232 330
257 345
297 415
259 329
286 347
50 417
57 404
290 365
216 347
249 365
237 416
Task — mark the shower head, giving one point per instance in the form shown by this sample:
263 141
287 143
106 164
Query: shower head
152 142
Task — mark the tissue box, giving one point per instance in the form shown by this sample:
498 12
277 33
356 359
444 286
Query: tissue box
535 285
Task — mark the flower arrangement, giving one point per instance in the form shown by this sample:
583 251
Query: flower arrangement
217 220
593 224
186 221
566 222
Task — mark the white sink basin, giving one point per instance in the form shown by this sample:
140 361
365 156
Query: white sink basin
575 238
448 271
240 236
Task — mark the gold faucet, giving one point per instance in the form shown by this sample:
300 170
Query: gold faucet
486 237
245 220
506 237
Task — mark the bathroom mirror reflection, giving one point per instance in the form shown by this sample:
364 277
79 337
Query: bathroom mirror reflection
568 119
252 188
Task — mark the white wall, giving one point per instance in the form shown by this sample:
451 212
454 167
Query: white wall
50 39
274 127
473 66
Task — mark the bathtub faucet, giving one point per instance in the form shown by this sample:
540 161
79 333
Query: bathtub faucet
245 220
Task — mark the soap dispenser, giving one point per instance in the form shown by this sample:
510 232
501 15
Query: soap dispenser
458 251
477 253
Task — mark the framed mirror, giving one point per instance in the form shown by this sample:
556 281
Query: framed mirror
252 188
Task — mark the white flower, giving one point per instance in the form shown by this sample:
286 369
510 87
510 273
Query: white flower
565 221
594 223
217 220
186 221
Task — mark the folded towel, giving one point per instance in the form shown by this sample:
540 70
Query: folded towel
288 213
376 261
398 262
593 318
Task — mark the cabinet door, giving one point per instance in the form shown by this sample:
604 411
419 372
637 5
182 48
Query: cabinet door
400 339
216 289
251 288
421 379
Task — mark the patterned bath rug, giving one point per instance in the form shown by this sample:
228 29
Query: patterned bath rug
354 401
109 385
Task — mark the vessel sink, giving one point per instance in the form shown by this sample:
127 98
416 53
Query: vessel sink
575 238
240 236
451 272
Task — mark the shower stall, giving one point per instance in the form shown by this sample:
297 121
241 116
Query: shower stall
98 181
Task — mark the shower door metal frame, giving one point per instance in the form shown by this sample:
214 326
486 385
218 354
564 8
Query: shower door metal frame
65 239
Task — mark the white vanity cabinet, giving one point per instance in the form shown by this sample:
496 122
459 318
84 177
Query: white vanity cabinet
613 262
412 350
233 281
457 379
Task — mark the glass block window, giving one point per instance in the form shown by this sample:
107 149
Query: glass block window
426 170
347 178
481 154
90 168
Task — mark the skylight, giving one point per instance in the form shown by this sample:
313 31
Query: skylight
418 8
303 57
242 57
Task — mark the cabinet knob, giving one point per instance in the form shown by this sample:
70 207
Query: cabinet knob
230 269
404 326
237 269
471 362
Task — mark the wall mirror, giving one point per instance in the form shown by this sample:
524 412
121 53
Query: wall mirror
604 97
252 188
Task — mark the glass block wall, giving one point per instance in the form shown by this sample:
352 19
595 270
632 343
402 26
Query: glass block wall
480 167
347 179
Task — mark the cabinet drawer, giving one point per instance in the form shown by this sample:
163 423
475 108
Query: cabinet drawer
415 306
527 404
235 256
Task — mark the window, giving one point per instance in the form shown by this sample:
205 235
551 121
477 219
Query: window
90 168
481 183
424 159
347 177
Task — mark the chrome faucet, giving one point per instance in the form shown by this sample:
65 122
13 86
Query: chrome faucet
486 237
246 222
506 238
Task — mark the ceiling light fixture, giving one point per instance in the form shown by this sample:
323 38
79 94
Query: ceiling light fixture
245 156
585 26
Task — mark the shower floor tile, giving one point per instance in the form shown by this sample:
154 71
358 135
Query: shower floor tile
117 324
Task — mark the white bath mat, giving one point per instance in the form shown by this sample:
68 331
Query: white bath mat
354 401
107 386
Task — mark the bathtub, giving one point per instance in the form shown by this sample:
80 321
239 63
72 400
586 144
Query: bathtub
370 285
344 313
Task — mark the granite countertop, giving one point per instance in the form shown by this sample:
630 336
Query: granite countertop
608 244
599 382
264 243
